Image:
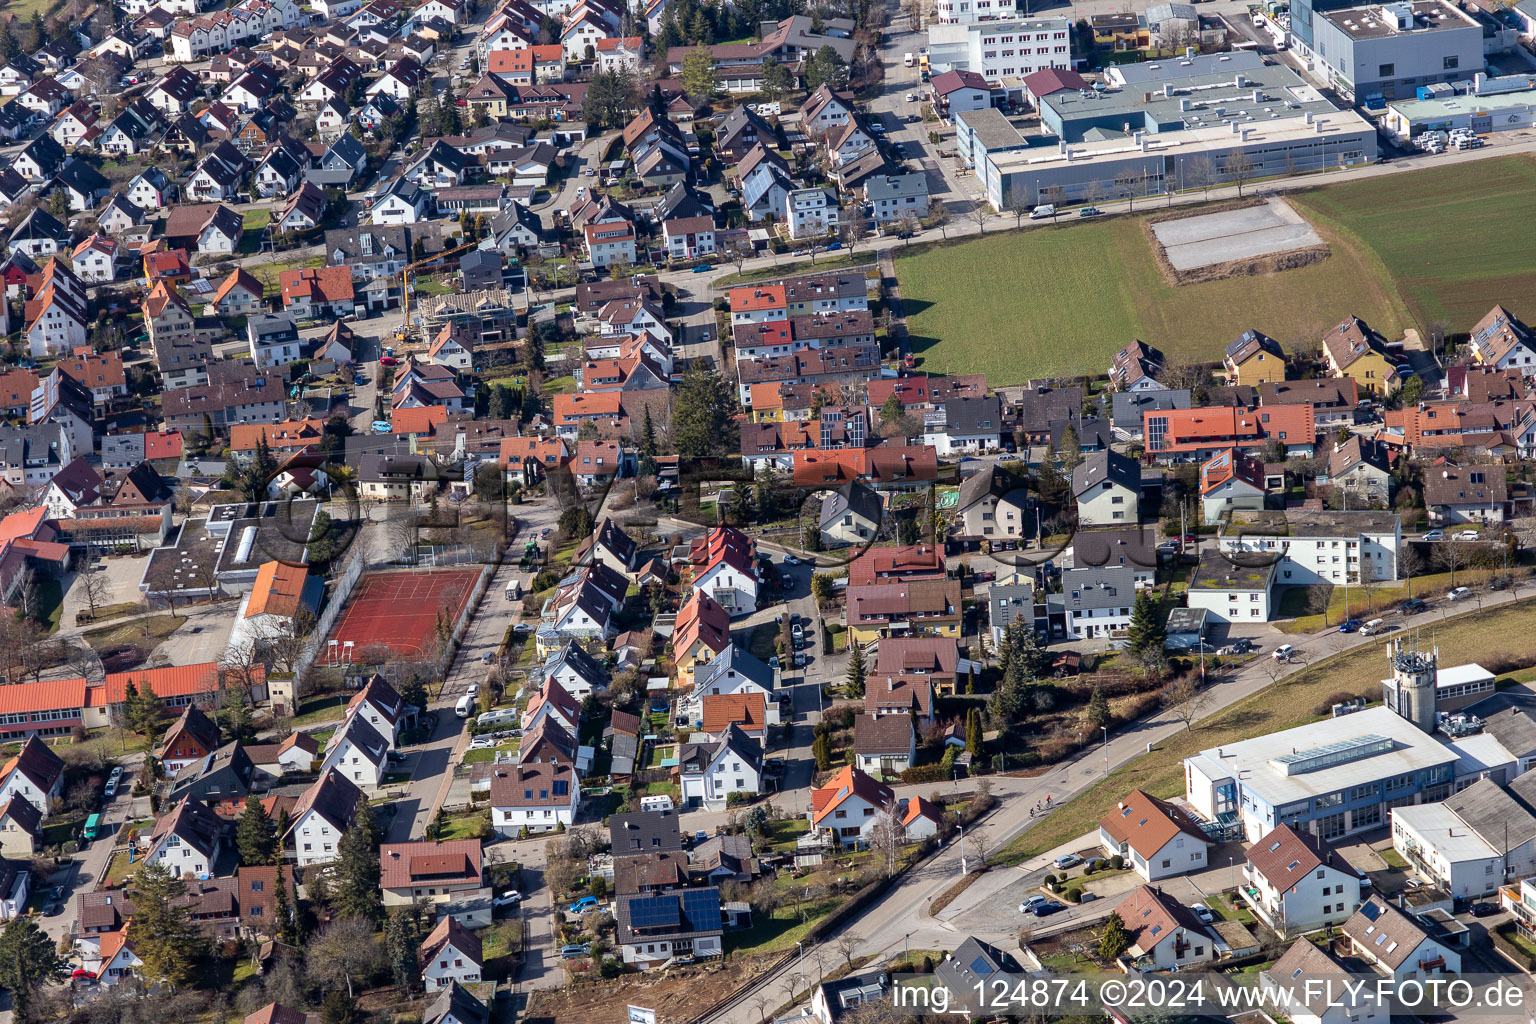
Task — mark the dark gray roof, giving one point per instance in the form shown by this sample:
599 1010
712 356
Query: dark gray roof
973 963
968 417
731 662
1514 729
1127 547
1107 465
1086 589
853 990
1187 620
1127 407
1499 819
996 481
1009 600
458 1003
644 832
574 657
895 186
677 914
851 497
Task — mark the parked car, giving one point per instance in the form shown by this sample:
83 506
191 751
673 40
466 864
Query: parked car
582 905
703 268
1459 593
1467 535
81 972
791 560
1042 211
1412 606
1349 627
700 836
1069 860
575 952
1089 211
1031 903
1435 535
507 899
1283 652
1046 909
1483 909
388 361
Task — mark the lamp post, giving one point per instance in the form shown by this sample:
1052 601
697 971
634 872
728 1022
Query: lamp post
1105 728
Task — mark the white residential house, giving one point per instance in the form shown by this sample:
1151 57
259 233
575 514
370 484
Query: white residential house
320 818
1319 546
1165 934
357 751
95 259
846 806
576 672
1399 945
539 797
402 202
380 705
1298 883
710 772
186 841
451 953
1107 486
1312 1004
1157 839
1098 600
689 237
36 775
810 213
729 575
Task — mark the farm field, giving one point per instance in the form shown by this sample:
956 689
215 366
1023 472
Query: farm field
1496 636
1452 250
1063 300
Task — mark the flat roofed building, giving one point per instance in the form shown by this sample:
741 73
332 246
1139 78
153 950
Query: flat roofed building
1385 51
1274 145
1331 778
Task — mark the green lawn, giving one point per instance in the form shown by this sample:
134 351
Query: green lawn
1063 299
328 708
1454 251
50 604
1293 702
779 930
255 220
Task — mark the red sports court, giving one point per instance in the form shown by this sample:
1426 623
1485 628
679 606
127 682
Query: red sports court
399 609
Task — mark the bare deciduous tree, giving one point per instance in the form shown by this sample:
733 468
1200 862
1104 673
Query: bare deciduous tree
978 216
347 951
1200 173
846 945
1185 698
95 587
1239 167
888 832
1451 556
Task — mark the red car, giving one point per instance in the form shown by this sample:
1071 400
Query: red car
1189 540
388 361
81 972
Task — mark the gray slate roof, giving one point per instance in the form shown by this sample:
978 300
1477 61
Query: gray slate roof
1088 589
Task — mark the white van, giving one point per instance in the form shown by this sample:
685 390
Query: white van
656 803
514 589
1372 627
908 60
1043 211
466 706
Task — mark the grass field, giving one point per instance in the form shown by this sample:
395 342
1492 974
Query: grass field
1454 251
1062 300
1503 631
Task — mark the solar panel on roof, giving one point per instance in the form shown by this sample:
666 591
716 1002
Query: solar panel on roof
981 966
653 912
702 910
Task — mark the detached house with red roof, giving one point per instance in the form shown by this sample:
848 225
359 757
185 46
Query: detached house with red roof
847 807
316 292
725 567
433 871
1157 838
747 712
451 953
1165 934
703 630
1298 882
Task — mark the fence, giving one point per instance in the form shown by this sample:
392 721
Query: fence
327 618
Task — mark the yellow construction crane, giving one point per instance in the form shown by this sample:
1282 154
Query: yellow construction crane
405 285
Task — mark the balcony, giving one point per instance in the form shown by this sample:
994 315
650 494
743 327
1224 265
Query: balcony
1271 917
